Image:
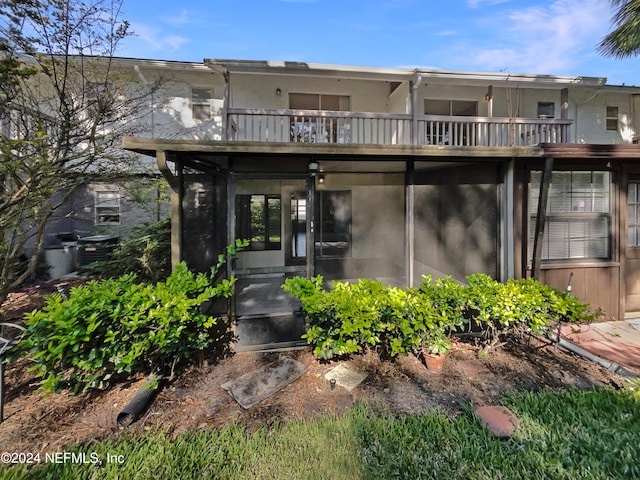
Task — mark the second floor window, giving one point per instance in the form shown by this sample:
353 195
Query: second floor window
315 101
457 108
546 110
107 208
201 103
612 119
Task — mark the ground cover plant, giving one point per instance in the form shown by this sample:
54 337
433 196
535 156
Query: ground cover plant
575 434
107 329
351 317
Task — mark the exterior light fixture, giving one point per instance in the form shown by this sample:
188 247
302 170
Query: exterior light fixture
321 179
278 92
313 168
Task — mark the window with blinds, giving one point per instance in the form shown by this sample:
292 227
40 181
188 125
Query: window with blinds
578 215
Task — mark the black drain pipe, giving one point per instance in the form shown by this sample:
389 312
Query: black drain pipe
141 402
572 347
611 366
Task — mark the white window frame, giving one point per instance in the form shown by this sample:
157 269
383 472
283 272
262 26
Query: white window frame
633 214
579 221
546 110
612 119
107 205
201 97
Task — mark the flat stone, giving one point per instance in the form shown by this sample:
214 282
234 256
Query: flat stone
499 420
253 387
345 376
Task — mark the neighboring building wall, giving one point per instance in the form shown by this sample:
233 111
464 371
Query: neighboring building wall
78 216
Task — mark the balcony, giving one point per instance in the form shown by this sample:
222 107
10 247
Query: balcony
361 128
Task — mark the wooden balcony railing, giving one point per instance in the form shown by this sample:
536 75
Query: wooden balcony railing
361 128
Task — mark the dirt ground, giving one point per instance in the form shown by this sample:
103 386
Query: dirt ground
37 422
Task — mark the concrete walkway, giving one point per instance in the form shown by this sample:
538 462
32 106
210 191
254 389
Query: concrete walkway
617 341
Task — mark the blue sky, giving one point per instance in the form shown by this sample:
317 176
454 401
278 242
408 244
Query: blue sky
557 37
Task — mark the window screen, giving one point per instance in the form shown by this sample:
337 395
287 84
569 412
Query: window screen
612 118
546 110
201 103
578 215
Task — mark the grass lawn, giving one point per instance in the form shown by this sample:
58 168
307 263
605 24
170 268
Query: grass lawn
562 435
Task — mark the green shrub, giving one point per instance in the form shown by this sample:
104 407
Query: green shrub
340 321
519 304
351 317
114 327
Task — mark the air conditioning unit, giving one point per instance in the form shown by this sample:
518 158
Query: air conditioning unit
95 248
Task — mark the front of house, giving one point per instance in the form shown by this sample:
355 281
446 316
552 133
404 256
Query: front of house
392 174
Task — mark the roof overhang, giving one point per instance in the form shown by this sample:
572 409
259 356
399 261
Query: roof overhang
276 67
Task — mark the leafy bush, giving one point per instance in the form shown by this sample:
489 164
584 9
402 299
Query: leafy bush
351 317
118 326
147 253
519 304
340 321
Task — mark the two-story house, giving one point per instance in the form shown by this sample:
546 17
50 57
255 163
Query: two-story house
392 174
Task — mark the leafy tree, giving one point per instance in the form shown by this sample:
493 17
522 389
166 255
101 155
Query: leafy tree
624 40
63 107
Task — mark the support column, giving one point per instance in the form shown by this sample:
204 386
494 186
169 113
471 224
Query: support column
410 222
489 98
413 91
174 181
226 125
564 112
231 234
507 238
311 230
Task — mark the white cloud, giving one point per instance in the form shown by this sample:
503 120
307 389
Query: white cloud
155 39
182 19
546 39
485 3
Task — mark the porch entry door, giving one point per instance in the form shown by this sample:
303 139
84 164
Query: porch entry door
271 212
632 251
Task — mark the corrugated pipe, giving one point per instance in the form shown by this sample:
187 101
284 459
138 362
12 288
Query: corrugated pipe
140 403
611 366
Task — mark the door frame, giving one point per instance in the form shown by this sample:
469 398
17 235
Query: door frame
628 253
309 179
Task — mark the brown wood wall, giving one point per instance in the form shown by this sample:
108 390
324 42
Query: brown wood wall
597 285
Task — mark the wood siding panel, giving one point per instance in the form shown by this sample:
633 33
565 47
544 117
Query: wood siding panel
598 286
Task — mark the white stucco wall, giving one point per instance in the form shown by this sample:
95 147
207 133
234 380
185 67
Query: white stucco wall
259 91
167 113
